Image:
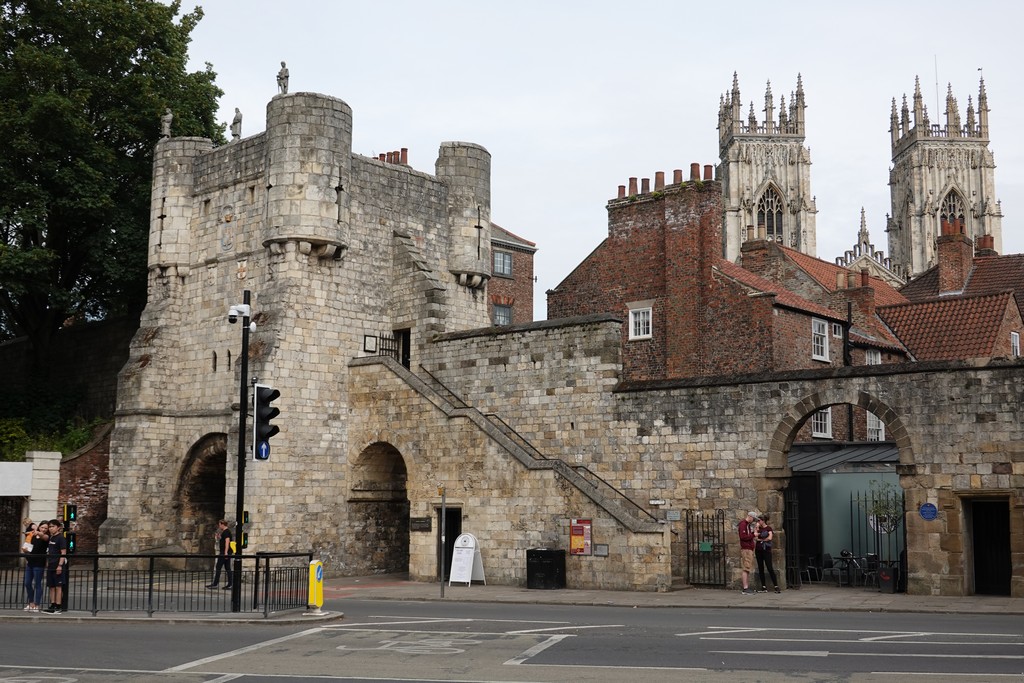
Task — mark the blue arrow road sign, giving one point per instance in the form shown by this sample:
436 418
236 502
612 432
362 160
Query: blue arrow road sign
263 450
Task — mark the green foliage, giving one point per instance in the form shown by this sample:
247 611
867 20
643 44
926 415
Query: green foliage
83 84
885 504
15 441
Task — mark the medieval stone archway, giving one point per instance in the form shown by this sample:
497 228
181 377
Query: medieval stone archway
199 494
779 476
379 511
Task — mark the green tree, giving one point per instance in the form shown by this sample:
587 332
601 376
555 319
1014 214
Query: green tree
83 84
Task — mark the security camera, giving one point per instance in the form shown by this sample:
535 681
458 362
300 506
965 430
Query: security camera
237 310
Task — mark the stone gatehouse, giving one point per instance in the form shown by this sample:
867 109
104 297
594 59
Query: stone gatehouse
525 427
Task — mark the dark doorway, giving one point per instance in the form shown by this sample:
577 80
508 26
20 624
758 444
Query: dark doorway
404 339
990 525
199 497
452 530
379 511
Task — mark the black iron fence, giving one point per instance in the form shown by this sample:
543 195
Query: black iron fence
271 582
706 548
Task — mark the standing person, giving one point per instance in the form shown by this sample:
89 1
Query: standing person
747 532
26 547
763 550
35 567
223 537
56 566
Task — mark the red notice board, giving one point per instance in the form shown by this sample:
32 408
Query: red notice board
579 537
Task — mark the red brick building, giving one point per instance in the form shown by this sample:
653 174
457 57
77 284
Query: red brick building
686 311
510 288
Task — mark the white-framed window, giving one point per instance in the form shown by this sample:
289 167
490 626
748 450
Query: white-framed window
502 314
876 428
1015 344
819 340
837 330
872 357
503 263
821 423
640 326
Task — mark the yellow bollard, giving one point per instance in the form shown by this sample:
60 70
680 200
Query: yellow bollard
316 586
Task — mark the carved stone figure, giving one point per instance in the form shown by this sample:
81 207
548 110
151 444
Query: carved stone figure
165 123
236 125
282 79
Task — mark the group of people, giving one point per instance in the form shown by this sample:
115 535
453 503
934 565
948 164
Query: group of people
756 542
46 555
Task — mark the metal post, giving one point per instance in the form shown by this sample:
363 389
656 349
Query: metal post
243 410
440 489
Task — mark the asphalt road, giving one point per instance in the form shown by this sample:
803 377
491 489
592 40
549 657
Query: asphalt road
486 642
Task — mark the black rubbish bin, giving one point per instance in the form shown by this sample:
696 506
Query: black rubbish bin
545 568
888 579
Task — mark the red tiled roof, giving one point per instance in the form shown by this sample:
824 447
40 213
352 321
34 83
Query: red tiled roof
993 274
951 328
501 234
783 297
824 273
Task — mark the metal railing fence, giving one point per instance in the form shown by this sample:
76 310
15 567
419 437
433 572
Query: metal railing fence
95 583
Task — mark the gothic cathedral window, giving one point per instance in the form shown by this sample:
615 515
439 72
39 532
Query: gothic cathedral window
953 212
769 214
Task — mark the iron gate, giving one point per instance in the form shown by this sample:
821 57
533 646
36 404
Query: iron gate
706 548
790 525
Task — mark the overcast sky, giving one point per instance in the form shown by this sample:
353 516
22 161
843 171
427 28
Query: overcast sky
573 98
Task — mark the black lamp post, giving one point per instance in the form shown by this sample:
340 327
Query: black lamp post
240 311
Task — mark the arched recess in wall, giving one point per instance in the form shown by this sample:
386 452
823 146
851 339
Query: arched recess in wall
819 492
379 511
954 212
199 495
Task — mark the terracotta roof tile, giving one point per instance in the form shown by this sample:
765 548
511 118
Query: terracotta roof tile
783 297
502 235
948 328
824 273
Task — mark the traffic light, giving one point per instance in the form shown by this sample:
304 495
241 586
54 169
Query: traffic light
72 541
262 413
244 540
70 513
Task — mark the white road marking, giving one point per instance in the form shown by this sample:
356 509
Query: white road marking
933 643
398 623
496 621
537 649
241 651
561 628
225 678
827 653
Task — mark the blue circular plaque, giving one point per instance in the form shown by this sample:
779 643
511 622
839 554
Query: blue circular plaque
928 511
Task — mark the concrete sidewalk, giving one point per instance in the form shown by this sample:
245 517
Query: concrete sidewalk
814 596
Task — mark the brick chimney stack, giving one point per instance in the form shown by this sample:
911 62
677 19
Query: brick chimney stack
955 257
985 246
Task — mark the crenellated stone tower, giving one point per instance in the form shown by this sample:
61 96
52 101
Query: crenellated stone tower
345 256
940 173
765 172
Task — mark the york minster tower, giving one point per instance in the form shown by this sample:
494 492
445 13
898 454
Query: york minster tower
941 173
765 172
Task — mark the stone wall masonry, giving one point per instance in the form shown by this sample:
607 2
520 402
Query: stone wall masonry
709 444
373 257
84 480
509 506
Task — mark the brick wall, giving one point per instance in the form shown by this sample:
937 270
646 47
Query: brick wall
85 481
515 291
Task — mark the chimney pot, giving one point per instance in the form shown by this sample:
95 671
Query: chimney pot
677 176
708 172
694 171
840 280
762 232
405 156
750 233
632 187
659 180
622 191
865 279
382 156
851 280
645 185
